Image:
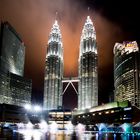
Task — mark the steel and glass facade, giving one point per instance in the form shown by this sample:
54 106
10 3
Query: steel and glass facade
53 70
4 87
88 75
20 90
12 52
14 88
127 72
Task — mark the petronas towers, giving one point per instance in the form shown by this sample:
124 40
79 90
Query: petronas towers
53 70
88 79
88 87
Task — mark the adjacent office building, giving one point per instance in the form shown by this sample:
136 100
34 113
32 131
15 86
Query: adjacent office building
20 90
53 70
14 88
88 75
126 72
12 52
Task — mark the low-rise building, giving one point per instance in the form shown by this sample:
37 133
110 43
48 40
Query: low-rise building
115 112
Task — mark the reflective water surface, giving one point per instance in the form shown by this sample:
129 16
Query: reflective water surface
38 134
43 131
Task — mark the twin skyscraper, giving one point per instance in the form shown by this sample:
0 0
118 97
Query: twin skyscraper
88 74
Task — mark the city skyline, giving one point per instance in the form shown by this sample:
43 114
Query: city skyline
33 22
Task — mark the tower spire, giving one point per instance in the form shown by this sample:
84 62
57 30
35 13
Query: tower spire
56 15
88 10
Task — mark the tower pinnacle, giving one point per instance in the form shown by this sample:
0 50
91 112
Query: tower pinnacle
88 33
56 22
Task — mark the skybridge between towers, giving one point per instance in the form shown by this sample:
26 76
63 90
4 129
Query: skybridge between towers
70 81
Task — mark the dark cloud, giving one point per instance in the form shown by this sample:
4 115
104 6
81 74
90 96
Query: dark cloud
125 13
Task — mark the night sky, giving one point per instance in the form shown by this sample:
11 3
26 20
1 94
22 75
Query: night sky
114 21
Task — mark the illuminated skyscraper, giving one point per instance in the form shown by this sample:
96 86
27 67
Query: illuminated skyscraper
12 50
53 70
14 88
126 72
88 75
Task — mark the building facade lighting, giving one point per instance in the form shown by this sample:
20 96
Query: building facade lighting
88 75
53 70
126 72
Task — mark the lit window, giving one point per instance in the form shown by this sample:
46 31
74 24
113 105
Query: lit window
100 113
106 112
112 111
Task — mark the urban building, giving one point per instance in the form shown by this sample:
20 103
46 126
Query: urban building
14 88
88 75
12 114
20 90
62 117
4 87
110 113
53 70
126 72
12 50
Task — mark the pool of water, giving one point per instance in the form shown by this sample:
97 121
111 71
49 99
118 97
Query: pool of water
38 134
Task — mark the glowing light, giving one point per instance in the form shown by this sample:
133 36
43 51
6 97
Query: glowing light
69 128
102 127
55 36
29 125
97 135
53 127
126 47
127 128
43 125
20 125
112 111
107 112
36 135
87 33
80 128
128 108
30 134
37 108
27 107
6 125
